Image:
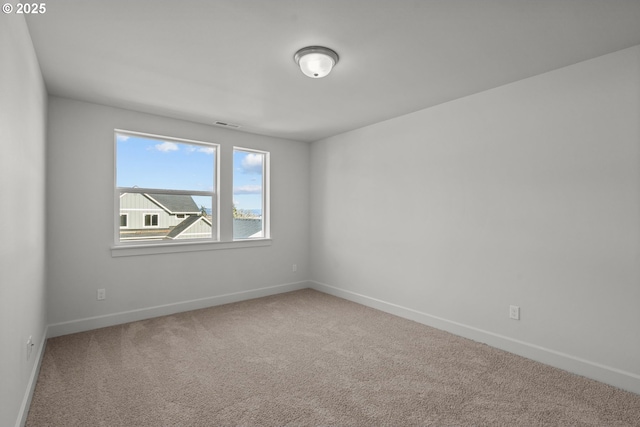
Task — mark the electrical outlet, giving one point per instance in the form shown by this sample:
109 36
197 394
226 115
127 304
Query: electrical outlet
102 294
29 347
294 268
514 312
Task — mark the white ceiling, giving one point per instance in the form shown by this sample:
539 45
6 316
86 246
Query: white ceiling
232 60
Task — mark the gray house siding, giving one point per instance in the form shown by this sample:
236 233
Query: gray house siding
196 228
168 216
136 206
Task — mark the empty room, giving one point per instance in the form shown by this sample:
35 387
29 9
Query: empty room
306 213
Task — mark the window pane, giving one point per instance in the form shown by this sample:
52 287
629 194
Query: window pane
165 216
248 194
154 163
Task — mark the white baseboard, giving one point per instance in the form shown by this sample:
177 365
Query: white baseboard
606 374
31 385
89 323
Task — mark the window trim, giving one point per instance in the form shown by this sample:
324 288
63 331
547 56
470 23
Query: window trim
126 215
179 246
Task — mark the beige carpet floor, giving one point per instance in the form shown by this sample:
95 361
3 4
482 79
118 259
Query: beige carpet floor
305 358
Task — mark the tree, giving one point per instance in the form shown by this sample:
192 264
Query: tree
241 213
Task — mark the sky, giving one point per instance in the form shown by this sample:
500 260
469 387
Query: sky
164 164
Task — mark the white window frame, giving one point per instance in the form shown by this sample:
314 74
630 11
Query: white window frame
150 247
126 215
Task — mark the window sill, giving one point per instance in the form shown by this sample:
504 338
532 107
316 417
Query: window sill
167 248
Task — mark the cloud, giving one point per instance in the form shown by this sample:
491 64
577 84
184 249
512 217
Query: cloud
248 189
252 163
205 150
167 146
123 138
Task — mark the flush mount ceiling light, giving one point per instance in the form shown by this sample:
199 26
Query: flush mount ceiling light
316 61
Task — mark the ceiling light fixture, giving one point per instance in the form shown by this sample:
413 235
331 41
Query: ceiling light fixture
316 61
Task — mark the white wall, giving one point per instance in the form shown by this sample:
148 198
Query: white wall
80 181
22 203
528 194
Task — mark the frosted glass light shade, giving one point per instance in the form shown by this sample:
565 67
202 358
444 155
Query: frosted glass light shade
316 61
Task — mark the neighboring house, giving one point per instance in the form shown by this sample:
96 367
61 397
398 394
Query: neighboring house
161 216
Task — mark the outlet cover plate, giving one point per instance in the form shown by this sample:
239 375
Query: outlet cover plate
514 312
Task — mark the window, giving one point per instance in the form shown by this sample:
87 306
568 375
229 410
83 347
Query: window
249 194
165 189
151 220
